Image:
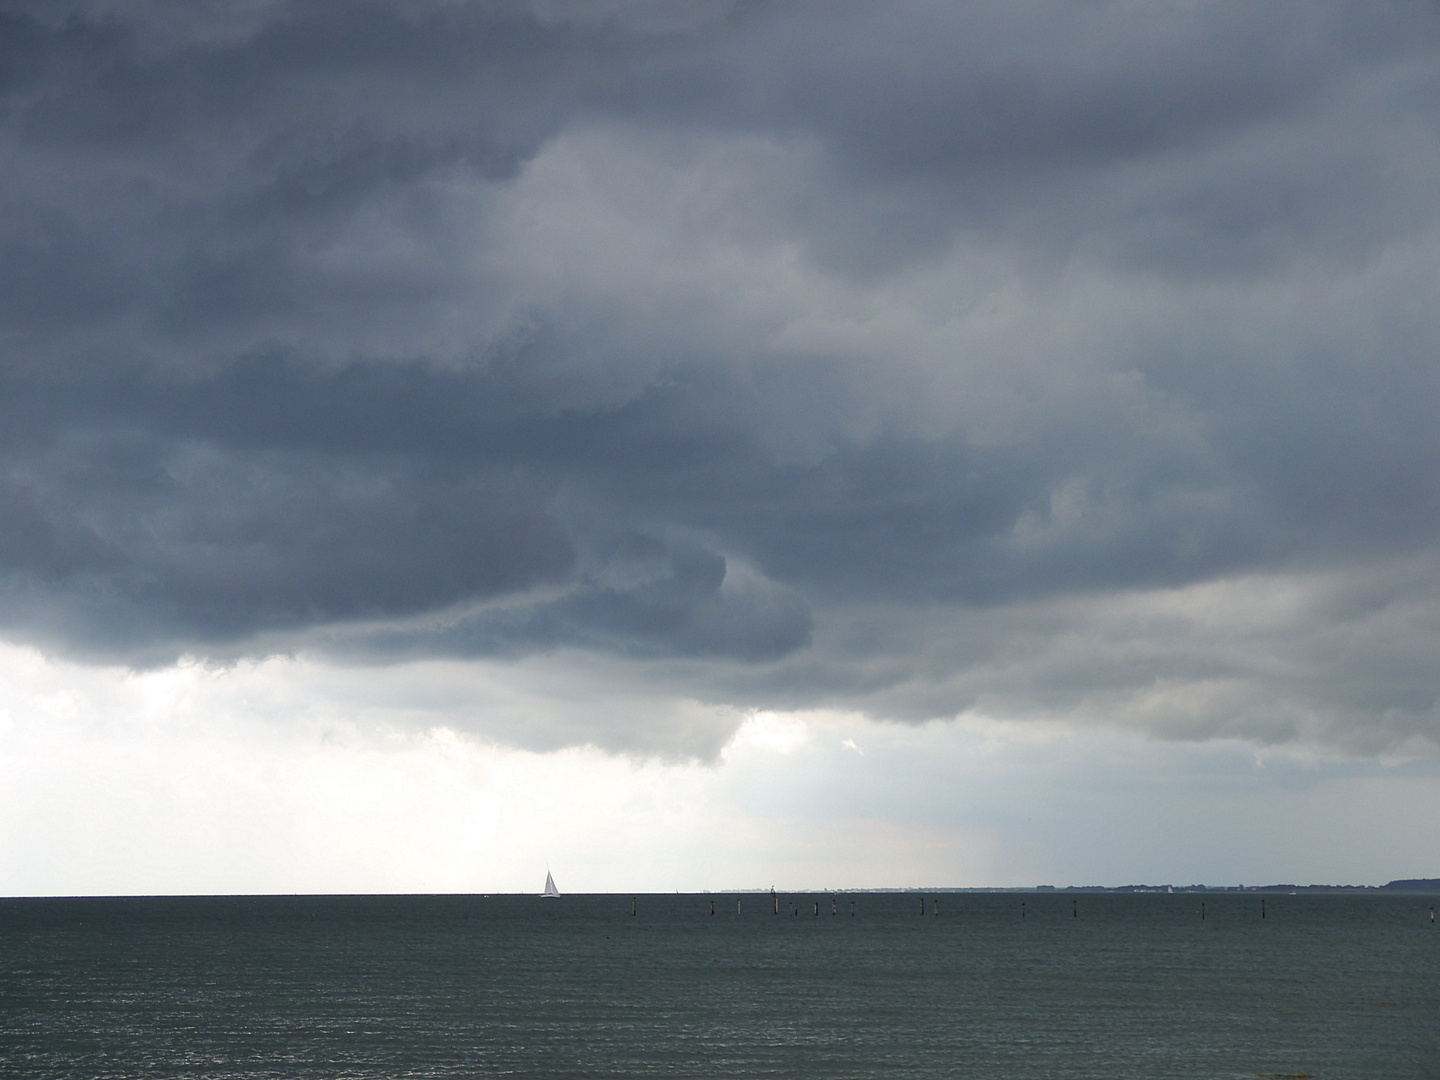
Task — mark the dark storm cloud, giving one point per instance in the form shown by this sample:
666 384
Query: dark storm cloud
859 354
137 542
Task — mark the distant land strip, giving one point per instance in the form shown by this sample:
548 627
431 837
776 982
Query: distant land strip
1412 885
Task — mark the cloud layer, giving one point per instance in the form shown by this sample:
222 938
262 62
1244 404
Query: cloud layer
1055 361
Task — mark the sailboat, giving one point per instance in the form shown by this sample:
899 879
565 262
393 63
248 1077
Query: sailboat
550 889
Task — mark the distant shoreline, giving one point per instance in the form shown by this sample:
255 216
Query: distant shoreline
1400 885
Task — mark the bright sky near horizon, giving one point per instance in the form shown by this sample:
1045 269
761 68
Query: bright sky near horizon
707 444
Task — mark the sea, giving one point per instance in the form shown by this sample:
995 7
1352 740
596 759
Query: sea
1004 985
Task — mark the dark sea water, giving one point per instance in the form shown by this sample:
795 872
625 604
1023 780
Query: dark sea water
1128 985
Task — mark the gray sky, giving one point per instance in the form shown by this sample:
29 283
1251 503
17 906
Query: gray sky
650 367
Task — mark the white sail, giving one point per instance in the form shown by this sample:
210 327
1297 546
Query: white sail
550 889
